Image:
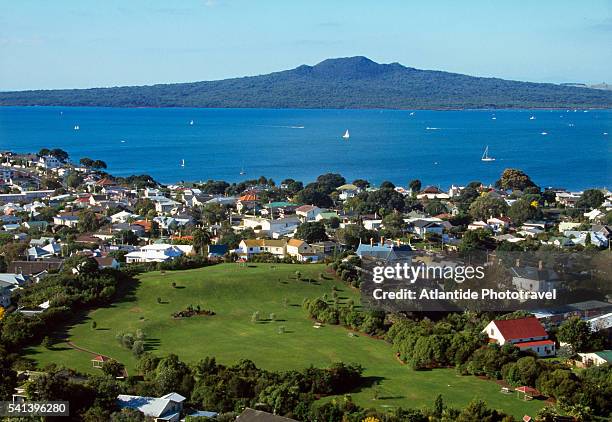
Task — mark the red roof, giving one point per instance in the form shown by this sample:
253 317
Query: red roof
528 390
513 329
100 358
535 343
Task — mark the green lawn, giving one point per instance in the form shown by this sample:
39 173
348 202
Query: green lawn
235 293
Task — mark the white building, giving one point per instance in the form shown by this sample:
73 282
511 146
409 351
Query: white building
524 333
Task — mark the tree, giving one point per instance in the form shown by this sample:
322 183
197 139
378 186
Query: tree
478 239
172 374
98 165
361 183
113 368
415 185
514 179
126 237
435 207
311 232
86 162
576 332
201 238
60 154
74 180
387 185
590 199
313 196
394 225
88 221
521 211
487 206
47 343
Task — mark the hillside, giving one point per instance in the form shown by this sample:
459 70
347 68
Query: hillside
354 82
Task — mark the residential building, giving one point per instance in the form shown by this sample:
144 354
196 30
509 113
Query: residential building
166 408
524 333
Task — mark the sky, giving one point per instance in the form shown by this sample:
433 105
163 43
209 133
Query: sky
85 43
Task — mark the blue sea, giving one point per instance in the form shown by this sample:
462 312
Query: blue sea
560 148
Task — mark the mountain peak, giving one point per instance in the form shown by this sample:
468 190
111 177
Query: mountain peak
351 67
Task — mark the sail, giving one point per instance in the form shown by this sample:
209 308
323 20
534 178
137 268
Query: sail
346 134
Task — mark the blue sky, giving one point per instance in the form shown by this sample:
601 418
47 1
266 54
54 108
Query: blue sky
85 43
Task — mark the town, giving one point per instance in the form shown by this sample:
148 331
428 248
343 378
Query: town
72 235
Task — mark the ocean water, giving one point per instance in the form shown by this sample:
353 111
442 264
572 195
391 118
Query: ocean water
438 147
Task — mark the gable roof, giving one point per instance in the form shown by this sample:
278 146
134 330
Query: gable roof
306 208
251 415
513 329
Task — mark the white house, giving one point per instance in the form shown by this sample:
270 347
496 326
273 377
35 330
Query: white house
49 162
524 333
269 226
157 252
348 191
307 212
166 408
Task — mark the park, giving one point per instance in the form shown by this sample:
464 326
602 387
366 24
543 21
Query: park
254 311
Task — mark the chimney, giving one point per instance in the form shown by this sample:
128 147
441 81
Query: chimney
371 241
382 240
517 263
540 265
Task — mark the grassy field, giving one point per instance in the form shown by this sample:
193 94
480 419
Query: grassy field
235 293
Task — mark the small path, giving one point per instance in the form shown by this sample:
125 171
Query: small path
81 349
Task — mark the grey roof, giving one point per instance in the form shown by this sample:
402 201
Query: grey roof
250 415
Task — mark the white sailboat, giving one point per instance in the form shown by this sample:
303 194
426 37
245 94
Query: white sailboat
485 156
346 135
191 122
76 127
532 118
183 162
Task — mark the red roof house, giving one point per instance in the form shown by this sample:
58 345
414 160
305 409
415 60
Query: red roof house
525 333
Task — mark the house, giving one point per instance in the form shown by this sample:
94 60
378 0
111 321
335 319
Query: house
251 415
568 225
35 268
535 279
594 214
8 283
348 191
166 408
49 162
389 253
36 253
596 358
160 252
301 250
250 247
217 251
307 212
475 225
272 227
424 227
70 219
164 205
580 238
524 333
326 215
499 223
123 217
107 262
432 192
247 202
372 224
